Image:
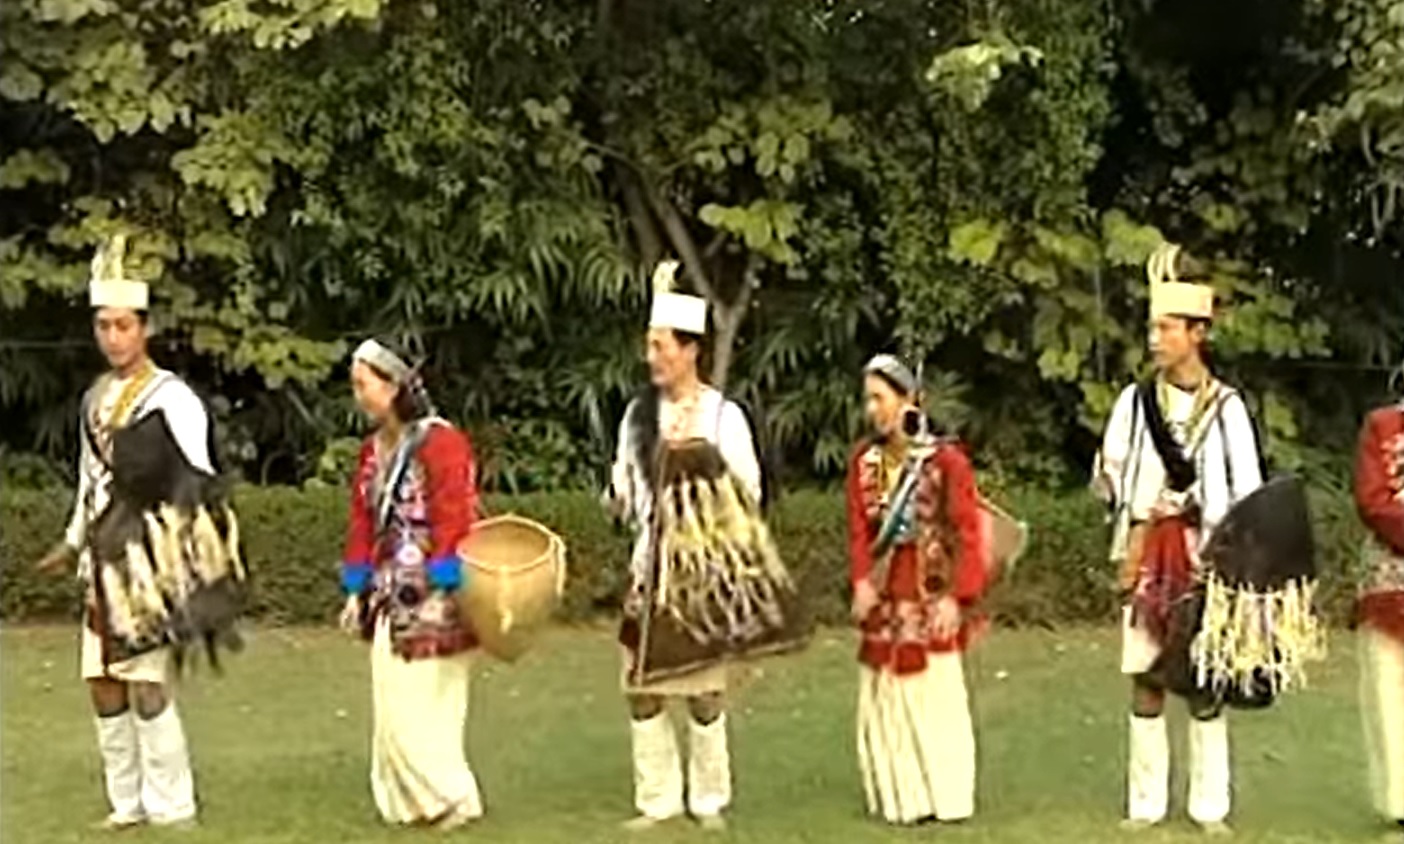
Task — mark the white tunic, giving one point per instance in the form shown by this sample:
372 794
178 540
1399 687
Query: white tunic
717 420
167 394
1223 449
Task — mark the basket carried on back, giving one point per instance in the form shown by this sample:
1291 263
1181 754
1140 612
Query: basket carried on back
1004 539
514 570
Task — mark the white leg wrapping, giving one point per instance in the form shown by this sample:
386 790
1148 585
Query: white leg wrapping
708 768
121 766
1209 799
1148 774
1382 708
658 776
167 785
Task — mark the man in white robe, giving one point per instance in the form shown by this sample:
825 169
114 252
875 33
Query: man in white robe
145 760
1216 452
678 407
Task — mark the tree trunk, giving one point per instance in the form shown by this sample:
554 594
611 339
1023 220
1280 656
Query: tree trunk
726 321
641 219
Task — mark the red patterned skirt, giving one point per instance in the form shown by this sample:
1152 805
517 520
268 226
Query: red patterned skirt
898 634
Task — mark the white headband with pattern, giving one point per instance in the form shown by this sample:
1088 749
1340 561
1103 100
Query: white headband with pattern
375 354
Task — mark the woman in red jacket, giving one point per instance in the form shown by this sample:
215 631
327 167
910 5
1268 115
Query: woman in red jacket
413 500
913 602
1379 496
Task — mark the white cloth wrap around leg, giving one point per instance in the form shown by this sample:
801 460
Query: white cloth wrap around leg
167 784
658 775
1148 770
708 768
121 766
1209 797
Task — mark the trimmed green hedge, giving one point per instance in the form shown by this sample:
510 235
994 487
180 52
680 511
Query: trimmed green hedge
292 542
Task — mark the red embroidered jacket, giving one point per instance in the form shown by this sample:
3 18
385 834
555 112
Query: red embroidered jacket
944 558
1379 498
410 569
1379 476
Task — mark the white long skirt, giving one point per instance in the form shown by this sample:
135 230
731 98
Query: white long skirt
916 742
1382 705
419 772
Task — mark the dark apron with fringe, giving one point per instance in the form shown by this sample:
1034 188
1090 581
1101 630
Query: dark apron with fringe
715 588
166 562
1246 629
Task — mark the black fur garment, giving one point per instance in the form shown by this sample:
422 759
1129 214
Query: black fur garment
1254 597
167 565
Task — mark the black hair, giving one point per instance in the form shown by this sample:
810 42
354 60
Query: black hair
643 427
143 315
1206 349
687 338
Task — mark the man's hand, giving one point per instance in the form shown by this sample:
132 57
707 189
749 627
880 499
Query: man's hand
59 560
1103 488
947 622
616 497
865 598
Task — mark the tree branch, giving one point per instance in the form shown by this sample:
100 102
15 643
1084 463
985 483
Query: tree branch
682 241
642 220
727 319
715 246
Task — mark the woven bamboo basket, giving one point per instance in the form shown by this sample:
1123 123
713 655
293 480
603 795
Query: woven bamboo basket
515 571
1004 538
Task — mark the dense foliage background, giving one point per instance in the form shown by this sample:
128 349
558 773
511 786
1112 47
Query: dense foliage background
973 184
291 540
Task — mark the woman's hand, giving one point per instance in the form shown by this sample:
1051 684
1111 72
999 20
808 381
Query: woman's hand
350 620
865 598
947 622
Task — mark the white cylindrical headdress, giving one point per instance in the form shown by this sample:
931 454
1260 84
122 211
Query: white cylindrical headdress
1171 297
109 286
675 310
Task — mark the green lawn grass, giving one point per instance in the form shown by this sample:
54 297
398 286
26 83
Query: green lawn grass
280 746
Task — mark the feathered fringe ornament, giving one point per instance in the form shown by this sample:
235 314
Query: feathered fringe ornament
720 574
176 583
1249 637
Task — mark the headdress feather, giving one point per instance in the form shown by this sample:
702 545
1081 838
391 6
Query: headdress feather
665 277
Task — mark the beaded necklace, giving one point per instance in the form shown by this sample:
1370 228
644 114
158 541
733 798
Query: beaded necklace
134 388
681 417
1203 399
126 400
890 463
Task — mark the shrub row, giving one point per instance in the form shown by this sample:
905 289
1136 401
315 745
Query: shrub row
292 540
